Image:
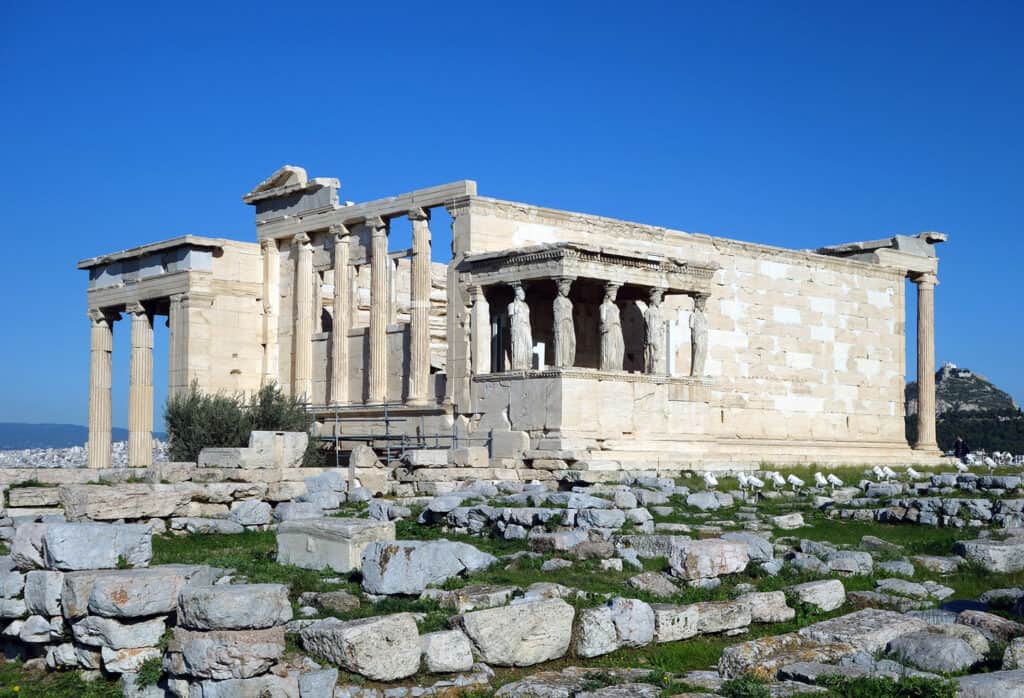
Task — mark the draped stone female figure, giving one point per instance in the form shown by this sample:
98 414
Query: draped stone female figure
655 350
522 334
698 336
612 346
565 330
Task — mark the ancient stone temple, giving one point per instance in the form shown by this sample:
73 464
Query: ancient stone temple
557 340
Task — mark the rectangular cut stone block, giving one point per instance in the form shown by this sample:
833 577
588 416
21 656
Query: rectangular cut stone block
426 458
329 543
509 444
469 457
869 630
33 497
235 458
113 502
90 546
284 448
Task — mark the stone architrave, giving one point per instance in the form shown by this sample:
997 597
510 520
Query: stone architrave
926 440
522 334
419 325
565 330
655 354
613 348
380 309
302 375
698 336
101 348
140 389
342 316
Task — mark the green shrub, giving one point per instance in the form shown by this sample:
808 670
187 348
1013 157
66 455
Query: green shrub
197 420
272 410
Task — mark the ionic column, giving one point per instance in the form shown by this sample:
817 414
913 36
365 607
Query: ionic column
101 347
926 362
380 310
271 310
419 326
140 389
342 316
302 366
480 331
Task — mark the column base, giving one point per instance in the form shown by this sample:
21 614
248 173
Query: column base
419 402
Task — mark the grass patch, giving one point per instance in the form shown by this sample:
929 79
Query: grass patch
251 554
18 682
907 687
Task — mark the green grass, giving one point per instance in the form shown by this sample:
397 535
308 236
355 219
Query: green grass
251 554
18 682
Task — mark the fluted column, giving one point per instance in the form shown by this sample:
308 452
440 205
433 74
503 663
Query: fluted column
140 389
101 347
419 326
926 362
480 331
342 316
302 366
271 310
380 310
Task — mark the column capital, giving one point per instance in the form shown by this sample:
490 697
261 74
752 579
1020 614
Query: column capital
99 315
656 295
268 244
476 292
418 214
925 279
135 308
300 239
376 224
339 232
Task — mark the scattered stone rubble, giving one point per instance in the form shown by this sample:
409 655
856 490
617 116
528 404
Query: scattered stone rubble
77 590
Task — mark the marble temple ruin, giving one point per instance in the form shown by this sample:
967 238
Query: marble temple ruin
558 340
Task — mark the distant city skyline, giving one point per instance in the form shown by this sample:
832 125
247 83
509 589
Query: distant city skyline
797 125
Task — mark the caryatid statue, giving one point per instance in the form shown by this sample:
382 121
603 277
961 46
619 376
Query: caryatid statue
565 330
612 347
655 349
698 336
522 335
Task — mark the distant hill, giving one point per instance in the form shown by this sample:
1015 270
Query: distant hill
961 390
15 435
967 404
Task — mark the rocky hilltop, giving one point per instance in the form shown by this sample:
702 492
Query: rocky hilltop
961 390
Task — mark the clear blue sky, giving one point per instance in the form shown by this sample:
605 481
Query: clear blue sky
794 124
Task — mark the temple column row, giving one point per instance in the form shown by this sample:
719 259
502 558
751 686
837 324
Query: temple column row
418 388
140 387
